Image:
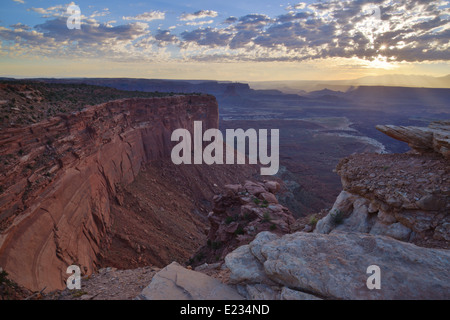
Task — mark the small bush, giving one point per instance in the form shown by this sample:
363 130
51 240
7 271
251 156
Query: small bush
273 226
239 230
313 220
266 217
216 245
337 217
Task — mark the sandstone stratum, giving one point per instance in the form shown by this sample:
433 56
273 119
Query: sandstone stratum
60 177
96 188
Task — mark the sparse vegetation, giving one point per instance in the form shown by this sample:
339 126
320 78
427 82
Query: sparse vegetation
239 230
313 220
337 217
266 217
230 219
78 293
50 99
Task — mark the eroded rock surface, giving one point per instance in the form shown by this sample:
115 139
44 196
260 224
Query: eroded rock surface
177 283
239 214
61 179
434 138
333 266
403 196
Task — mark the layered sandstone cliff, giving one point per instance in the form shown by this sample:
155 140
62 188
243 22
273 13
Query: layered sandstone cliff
60 177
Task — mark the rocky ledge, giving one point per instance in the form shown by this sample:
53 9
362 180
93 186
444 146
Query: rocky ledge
404 196
435 138
239 214
392 213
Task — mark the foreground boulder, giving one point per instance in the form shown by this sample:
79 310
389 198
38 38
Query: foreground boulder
334 266
177 283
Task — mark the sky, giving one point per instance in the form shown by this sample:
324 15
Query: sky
251 40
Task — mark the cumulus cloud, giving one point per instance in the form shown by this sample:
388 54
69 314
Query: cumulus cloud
147 16
207 37
198 15
52 38
199 23
54 11
164 36
19 1
400 31
20 25
384 30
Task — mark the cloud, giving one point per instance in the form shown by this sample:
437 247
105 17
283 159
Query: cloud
20 25
147 16
207 37
403 30
55 11
198 15
199 23
19 1
230 20
165 36
52 38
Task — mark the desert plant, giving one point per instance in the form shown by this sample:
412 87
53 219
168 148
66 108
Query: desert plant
337 217
265 204
313 220
266 217
239 230
216 245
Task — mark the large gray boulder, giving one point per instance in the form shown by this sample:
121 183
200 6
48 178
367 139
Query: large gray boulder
175 282
335 266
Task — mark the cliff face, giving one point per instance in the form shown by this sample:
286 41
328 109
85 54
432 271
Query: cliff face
61 177
403 196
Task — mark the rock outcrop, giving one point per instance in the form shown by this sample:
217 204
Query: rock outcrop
404 196
239 214
305 266
59 179
177 283
388 202
435 138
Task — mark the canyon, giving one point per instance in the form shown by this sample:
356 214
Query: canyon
63 175
96 187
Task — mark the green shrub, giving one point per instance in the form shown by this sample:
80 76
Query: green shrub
266 217
337 217
313 220
216 245
239 230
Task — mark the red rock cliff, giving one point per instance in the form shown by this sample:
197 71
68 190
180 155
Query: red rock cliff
60 176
